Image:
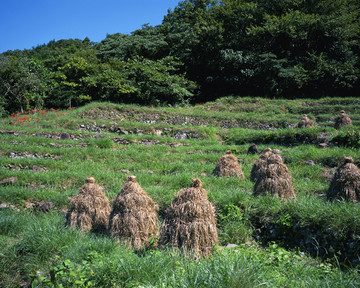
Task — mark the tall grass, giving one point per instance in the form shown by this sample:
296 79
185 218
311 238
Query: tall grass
45 243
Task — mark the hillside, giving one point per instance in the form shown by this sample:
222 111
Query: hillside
203 50
46 156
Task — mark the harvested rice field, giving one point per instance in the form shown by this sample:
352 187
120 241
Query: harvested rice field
111 195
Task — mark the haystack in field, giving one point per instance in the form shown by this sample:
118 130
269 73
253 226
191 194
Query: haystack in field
274 178
342 120
90 209
190 221
305 122
228 166
346 182
133 219
275 151
253 149
259 164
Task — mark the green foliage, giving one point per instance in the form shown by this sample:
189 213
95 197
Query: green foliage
206 48
287 49
350 137
109 84
66 274
24 83
234 225
243 267
104 143
280 255
3 111
10 224
293 136
147 42
157 83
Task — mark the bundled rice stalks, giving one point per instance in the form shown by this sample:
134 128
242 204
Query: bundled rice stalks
90 209
133 219
274 178
342 120
190 221
305 122
253 149
346 182
228 166
259 164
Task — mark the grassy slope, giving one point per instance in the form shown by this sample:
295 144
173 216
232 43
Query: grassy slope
162 169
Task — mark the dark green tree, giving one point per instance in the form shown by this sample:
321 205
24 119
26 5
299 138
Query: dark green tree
157 82
146 42
24 83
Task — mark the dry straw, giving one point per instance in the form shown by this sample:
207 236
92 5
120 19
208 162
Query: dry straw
90 209
305 122
346 182
190 221
259 164
228 166
342 120
133 219
253 149
274 178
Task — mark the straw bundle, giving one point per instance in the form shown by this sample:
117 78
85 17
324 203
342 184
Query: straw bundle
133 219
346 182
190 221
259 164
253 149
342 120
274 178
305 122
90 209
228 166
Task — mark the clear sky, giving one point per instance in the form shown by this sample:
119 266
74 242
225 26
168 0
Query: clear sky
27 23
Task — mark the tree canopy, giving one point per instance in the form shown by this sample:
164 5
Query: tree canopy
203 49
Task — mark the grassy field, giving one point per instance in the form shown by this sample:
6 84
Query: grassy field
310 242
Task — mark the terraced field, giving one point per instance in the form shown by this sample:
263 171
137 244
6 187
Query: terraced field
310 242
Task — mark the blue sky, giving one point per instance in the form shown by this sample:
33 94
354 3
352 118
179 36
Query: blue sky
27 23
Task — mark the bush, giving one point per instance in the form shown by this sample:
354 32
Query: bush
157 82
66 274
234 225
281 136
349 138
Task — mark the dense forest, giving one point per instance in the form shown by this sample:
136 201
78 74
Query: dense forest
204 49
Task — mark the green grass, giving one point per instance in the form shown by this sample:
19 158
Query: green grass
46 246
34 245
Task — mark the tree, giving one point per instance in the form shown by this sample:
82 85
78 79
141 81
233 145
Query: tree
157 82
110 83
146 42
278 47
24 83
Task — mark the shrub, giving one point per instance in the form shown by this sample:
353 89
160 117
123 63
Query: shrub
234 225
282 136
348 138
